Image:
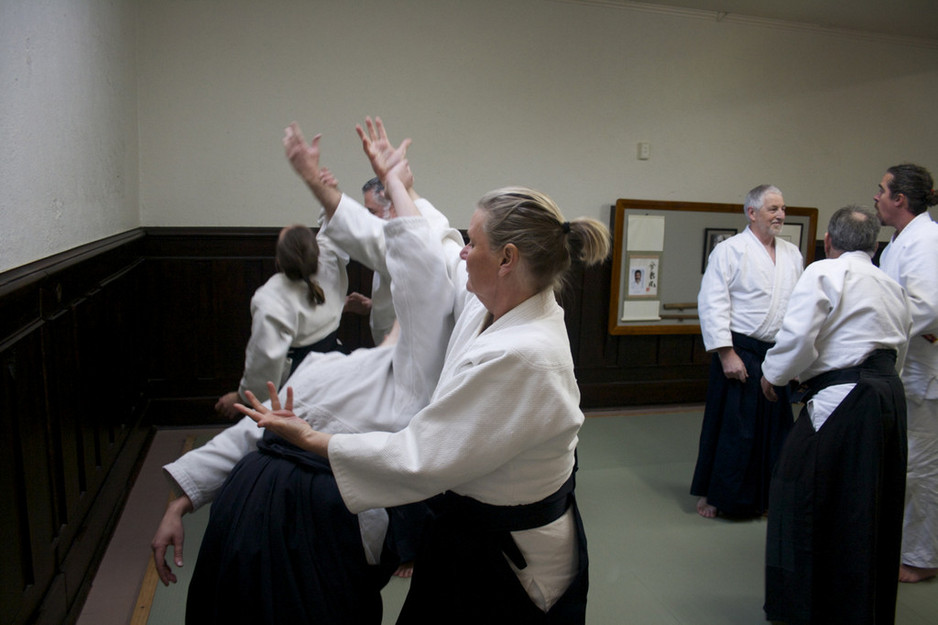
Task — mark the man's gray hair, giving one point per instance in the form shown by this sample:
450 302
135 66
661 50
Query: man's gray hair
854 229
375 184
756 198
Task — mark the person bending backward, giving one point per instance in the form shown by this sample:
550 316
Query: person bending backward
743 296
835 513
280 546
297 311
494 451
911 258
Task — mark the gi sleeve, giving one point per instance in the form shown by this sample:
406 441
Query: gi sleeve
201 472
273 329
795 349
714 303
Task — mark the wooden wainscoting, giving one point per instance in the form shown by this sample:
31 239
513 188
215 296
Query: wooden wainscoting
71 385
200 282
615 371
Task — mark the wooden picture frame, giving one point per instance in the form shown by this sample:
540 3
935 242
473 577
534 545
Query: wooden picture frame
712 236
674 309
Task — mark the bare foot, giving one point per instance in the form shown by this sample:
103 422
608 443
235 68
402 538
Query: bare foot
912 574
405 570
706 510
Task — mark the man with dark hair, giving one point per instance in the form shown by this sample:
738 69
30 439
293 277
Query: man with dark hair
379 307
835 509
742 299
911 258
375 199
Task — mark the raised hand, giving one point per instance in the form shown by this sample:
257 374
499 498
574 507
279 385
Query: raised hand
382 154
400 174
302 155
327 178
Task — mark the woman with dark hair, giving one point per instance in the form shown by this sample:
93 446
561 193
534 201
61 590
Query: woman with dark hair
297 311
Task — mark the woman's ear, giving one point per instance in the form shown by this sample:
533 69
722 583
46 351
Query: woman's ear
509 259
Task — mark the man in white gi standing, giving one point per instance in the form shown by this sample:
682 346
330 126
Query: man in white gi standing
743 296
835 513
911 258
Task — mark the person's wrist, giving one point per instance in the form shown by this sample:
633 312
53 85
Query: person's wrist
181 505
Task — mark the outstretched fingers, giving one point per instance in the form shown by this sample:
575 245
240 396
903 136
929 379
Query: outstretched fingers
382 154
274 398
261 413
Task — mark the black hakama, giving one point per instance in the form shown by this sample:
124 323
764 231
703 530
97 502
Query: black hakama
461 575
281 547
741 436
835 516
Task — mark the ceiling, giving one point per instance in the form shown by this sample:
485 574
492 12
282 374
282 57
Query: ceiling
916 19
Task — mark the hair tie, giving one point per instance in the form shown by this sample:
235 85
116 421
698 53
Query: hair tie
565 226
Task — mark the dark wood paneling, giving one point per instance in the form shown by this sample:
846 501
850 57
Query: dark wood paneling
71 393
627 370
200 282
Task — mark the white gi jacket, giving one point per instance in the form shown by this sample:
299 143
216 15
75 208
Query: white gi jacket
381 319
501 428
370 389
840 311
743 291
283 317
911 259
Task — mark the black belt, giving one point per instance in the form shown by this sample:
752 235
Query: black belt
877 360
297 354
502 520
741 341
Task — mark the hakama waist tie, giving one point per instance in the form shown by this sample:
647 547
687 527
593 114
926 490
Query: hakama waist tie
462 572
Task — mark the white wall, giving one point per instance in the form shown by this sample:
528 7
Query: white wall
555 95
548 93
68 125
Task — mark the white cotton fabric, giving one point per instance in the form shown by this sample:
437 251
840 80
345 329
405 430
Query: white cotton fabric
283 317
743 291
367 390
911 258
920 527
360 233
840 311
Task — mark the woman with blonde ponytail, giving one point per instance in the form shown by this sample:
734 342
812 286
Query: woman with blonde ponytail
494 452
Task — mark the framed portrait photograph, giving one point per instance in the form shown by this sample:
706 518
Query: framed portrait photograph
791 233
712 236
643 274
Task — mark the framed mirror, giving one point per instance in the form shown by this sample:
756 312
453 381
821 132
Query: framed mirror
660 252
